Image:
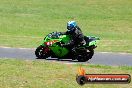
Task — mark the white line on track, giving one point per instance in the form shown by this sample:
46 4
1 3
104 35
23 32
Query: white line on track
115 52
17 48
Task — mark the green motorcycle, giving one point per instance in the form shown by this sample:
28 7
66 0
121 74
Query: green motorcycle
51 47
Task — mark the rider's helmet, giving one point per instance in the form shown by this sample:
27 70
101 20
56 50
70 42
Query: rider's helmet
71 25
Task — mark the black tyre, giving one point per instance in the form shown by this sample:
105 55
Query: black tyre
90 54
81 58
81 80
85 57
41 53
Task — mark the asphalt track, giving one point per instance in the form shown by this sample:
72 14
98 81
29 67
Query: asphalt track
104 58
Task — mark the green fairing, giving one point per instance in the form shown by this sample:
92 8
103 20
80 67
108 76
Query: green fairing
65 38
60 51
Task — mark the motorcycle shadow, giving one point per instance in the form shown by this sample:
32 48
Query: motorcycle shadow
64 60
56 59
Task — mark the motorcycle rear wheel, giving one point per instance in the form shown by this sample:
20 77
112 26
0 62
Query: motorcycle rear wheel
85 57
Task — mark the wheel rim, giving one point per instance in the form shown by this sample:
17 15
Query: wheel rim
42 52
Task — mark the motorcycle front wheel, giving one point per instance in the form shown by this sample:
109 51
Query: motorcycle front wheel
42 52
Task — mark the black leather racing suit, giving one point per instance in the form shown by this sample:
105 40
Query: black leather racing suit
77 37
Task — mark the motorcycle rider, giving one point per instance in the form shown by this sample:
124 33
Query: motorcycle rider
76 34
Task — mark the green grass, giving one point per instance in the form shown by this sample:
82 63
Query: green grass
111 20
45 74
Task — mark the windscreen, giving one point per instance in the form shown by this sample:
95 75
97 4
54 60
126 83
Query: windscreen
54 35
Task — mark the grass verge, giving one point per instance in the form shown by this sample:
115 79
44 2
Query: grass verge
108 19
44 74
